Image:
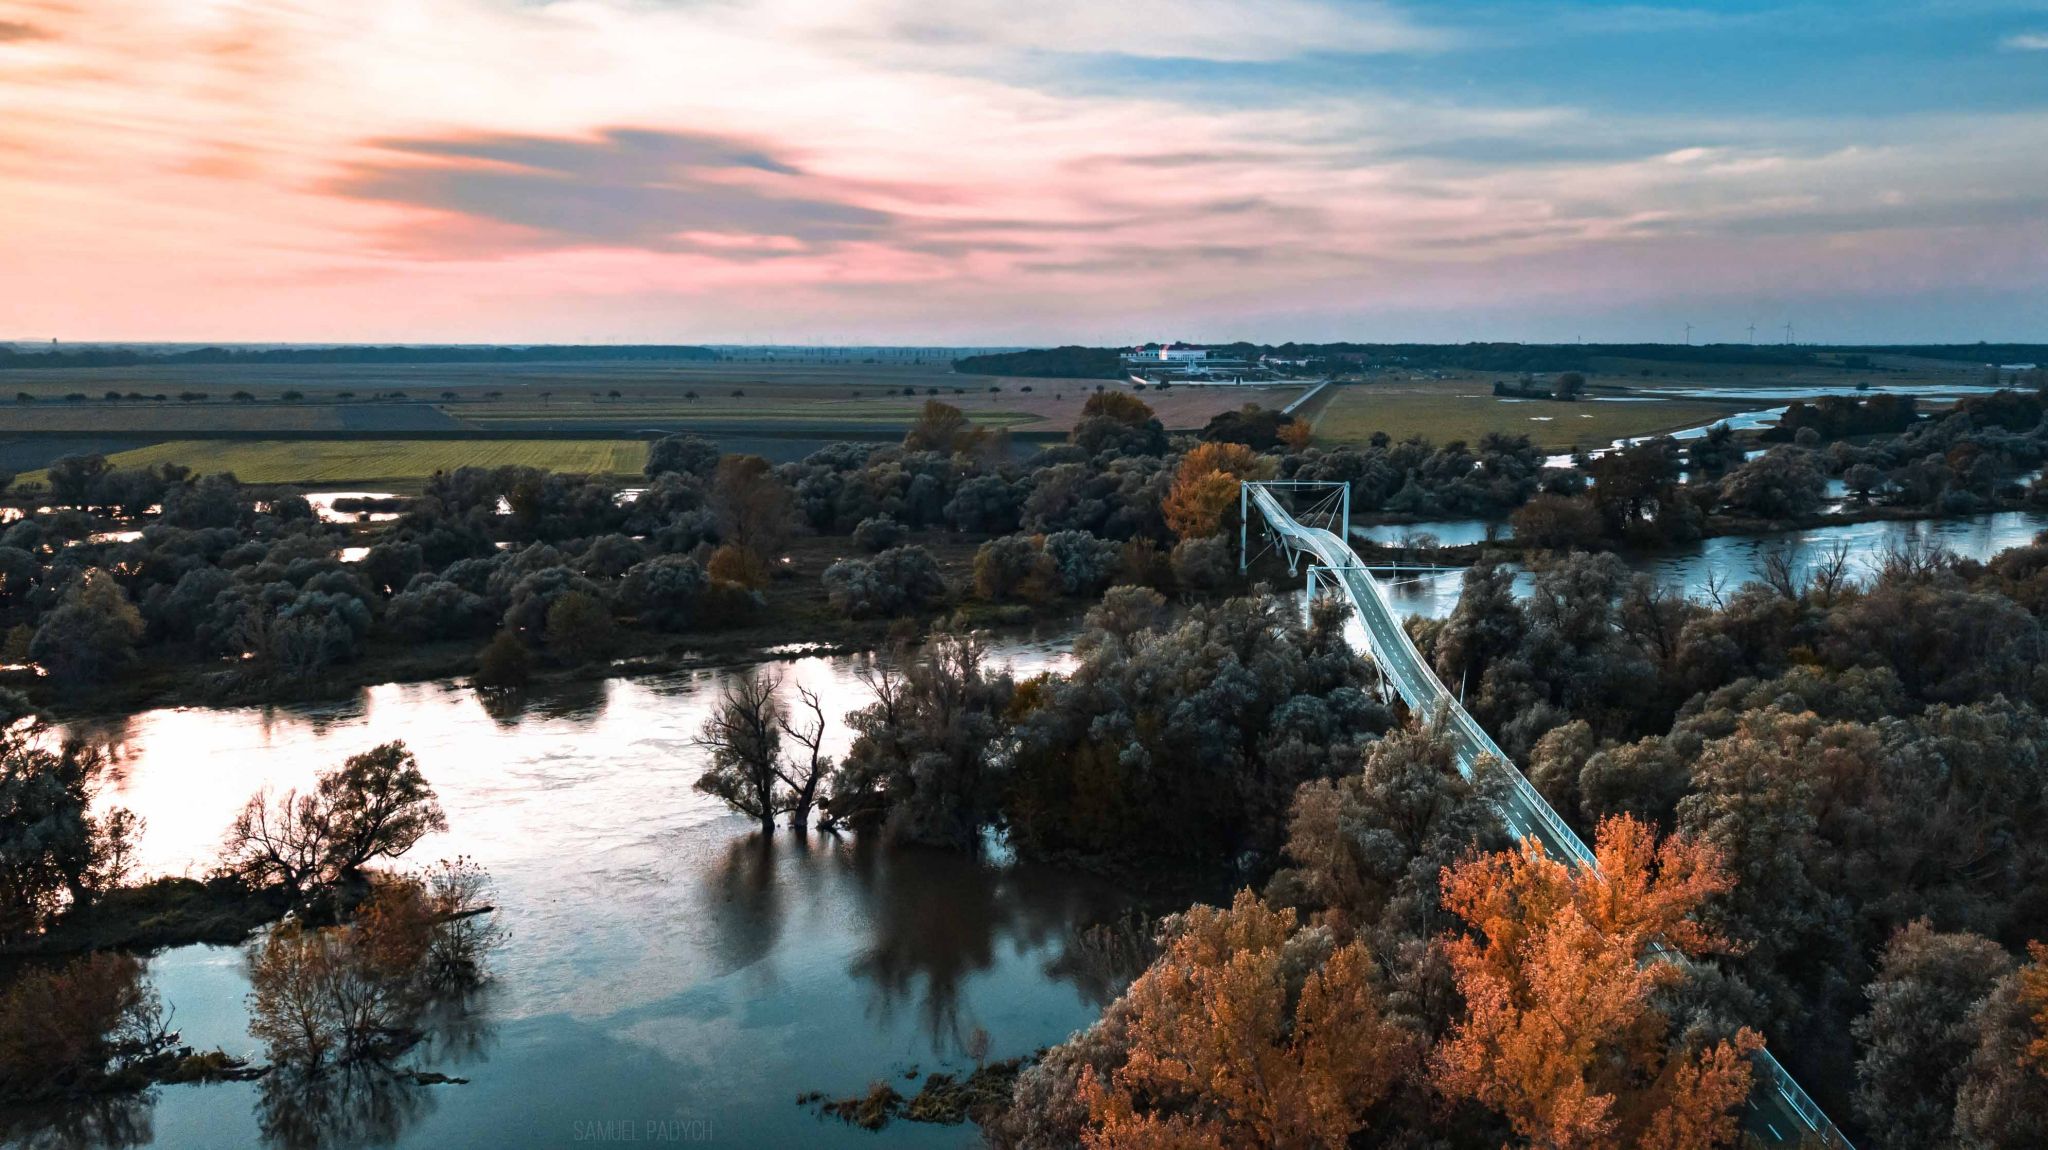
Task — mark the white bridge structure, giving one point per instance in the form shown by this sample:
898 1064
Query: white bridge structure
1779 1111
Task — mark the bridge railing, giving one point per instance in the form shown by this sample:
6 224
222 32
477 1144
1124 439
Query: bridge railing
1359 586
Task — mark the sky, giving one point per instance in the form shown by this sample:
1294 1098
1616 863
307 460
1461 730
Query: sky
1025 172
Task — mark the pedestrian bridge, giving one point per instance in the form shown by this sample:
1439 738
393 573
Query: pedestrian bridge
1308 523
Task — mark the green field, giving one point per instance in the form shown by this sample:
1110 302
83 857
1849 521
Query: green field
326 461
1441 412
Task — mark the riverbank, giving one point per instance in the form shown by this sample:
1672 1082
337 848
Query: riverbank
1503 547
796 619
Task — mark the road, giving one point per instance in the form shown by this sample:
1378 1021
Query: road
1779 1111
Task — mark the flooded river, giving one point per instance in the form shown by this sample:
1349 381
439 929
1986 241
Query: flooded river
1725 562
668 971
664 964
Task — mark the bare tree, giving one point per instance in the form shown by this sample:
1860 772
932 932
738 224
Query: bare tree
804 775
744 736
375 805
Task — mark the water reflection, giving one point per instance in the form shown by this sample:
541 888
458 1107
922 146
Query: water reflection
111 1123
1721 564
350 1106
664 960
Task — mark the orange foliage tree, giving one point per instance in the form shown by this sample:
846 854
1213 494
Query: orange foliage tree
1560 1035
1247 1032
1205 486
2034 997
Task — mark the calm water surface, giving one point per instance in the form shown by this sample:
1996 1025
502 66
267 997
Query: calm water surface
664 965
1729 561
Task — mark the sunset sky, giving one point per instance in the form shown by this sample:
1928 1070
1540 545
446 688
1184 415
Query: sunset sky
970 171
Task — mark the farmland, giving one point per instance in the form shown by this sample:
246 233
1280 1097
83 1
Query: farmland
398 462
1443 410
627 398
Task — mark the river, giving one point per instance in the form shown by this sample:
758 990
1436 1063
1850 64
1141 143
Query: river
1724 562
664 965
667 971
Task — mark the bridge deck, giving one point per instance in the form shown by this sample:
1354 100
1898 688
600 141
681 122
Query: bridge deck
1779 1112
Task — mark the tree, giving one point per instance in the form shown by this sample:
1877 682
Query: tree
688 454
505 661
1561 1032
920 766
579 627
1015 567
1558 523
55 852
1782 482
1247 1032
356 992
803 776
1205 485
1372 846
752 507
375 805
1920 1031
2002 1103
743 736
77 1027
943 428
91 634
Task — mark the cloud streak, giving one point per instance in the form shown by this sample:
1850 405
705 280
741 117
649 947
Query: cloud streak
891 170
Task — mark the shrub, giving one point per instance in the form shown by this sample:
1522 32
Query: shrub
504 662
1014 567
878 533
738 566
897 581
579 628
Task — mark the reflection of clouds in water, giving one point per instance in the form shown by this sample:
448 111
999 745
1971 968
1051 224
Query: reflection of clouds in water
660 954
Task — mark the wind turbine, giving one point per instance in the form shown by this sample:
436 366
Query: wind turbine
1688 335
1752 334
1788 331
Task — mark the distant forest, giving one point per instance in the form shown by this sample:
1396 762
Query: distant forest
1103 363
117 356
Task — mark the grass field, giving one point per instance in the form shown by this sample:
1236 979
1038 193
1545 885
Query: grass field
1448 410
324 461
712 398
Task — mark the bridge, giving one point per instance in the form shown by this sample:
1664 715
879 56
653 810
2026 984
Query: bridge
1779 1112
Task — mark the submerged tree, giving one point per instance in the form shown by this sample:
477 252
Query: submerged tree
920 765
356 992
72 1028
743 736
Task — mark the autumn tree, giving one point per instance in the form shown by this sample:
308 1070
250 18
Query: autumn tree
2002 1103
751 505
1205 485
1248 1032
944 428
77 1027
1560 973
